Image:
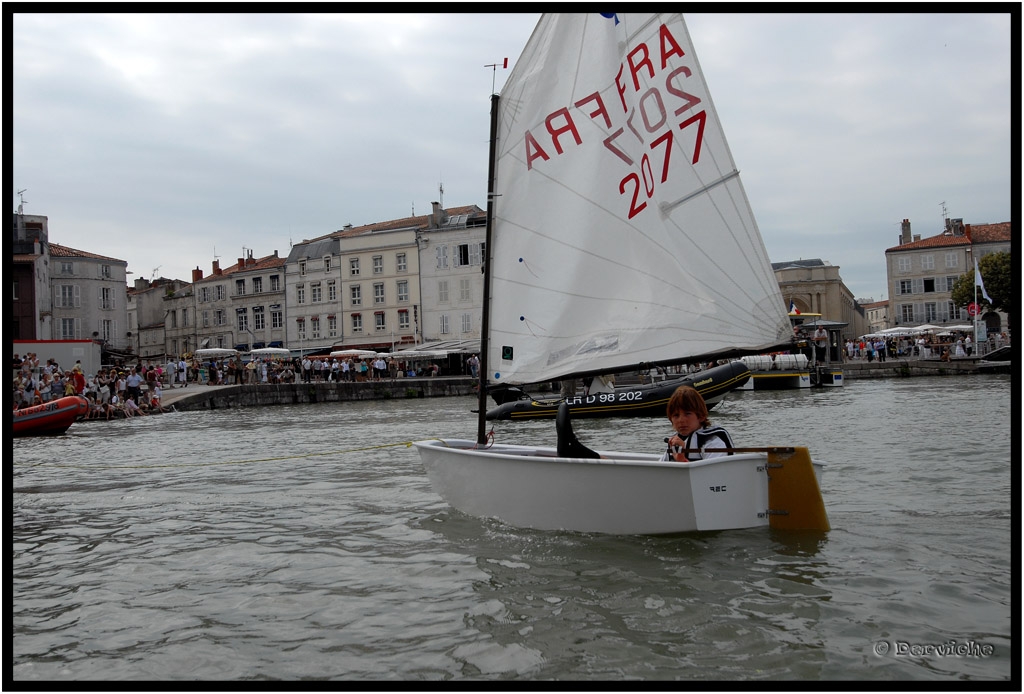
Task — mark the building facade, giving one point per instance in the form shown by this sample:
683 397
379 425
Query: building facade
921 272
452 253
30 273
90 299
814 286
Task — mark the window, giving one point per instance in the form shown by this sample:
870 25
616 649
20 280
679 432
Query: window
442 257
315 287
464 286
107 330
257 285
259 321
243 319
275 283
403 290
952 311
106 297
184 317
204 294
461 258
927 262
327 263
401 265
444 324
332 326
953 260
378 264
929 285
172 316
302 267
442 291
240 287
315 322
403 319
218 292
332 291
276 319
466 322
378 292
300 293
931 312
904 264
950 281
105 271
69 296
301 325
219 318
357 322
353 267
67 268
907 313
906 286
69 328
378 321
206 319
356 294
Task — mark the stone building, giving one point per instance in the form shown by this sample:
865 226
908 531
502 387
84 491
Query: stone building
814 286
921 272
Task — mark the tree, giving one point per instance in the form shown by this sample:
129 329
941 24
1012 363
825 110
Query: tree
996 273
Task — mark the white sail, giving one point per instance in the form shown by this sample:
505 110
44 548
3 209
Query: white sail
621 231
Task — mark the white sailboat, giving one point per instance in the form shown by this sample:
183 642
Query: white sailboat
619 235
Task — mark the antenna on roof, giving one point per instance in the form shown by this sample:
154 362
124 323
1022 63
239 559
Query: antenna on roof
440 190
21 197
944 215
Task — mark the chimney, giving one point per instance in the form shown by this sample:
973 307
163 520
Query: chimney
967 232
241 263
905 238
436 216
216 267
917 237
197 274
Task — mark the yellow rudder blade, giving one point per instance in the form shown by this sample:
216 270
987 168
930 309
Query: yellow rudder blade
794 498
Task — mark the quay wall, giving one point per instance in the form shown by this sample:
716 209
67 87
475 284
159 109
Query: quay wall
200 397
227 397
902 368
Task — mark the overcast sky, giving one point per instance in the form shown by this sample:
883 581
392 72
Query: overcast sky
169 140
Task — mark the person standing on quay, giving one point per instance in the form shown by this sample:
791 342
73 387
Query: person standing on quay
820 343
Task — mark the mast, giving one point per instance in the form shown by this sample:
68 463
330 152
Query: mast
485 322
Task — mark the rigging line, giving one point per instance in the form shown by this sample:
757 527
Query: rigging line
667 207
407 444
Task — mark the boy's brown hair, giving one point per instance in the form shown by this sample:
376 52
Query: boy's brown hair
687 399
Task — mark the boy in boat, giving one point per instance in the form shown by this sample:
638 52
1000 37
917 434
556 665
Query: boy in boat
688 414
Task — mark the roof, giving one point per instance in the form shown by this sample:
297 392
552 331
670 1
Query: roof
991 233
58 251
314 249
979 233
809 262
267 262
416 222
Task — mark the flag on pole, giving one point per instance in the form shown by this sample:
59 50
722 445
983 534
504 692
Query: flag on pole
793 309
977 281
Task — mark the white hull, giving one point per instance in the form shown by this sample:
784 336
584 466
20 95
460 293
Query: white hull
624 494
777 380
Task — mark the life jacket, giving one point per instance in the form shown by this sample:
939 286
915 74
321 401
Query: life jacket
700 438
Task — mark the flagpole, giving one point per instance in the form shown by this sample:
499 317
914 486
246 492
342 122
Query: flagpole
976 312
